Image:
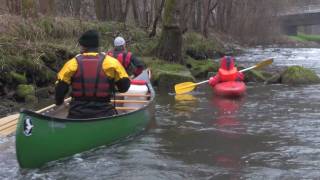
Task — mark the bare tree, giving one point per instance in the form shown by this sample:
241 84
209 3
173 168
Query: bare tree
14 6
29 8
100 8
76 8
157 17
170 44
47 7
135 12
208 6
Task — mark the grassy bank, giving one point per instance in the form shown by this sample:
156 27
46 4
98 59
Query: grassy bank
305 37
33 50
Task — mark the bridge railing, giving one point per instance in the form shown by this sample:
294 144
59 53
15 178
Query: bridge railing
311 8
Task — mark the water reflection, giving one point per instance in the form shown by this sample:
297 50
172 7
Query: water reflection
184 104
227 111
230 129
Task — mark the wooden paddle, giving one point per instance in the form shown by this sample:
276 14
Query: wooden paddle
189 86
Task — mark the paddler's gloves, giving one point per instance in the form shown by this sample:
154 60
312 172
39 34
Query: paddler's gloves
240 76
213 81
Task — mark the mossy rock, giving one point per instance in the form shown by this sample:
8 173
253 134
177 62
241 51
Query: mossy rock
166 74
18 78
295 75
45 77
275 79
24 90
31 99
199 47
43 92
167 80
200 69
254 76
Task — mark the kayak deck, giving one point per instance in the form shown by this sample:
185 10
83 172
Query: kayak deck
230 89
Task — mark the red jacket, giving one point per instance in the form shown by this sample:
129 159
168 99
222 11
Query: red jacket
226 72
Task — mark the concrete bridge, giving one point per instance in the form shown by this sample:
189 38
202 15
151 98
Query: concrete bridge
301 16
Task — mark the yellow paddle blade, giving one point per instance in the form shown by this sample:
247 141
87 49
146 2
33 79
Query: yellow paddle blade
264 63
184 87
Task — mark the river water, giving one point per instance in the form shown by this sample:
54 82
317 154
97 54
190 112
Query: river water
271 133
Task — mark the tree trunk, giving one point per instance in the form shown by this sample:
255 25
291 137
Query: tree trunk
199 15
209 6
125 12
170 44
47 7
185 16
135 12
14 6
76 8
155 22
100 8
109 13
193 15
28 8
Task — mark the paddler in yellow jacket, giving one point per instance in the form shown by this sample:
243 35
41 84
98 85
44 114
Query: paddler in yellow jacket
93 77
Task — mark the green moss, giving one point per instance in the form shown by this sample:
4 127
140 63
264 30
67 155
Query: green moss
200 69
199 47
168 14
255 76
167 80
197 42
23 90
18 78
30 99
165 75
299 75
157 64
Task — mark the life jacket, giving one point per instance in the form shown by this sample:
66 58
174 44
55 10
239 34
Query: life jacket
227 70
123 57
90 82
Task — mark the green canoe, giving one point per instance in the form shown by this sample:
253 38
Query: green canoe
41 138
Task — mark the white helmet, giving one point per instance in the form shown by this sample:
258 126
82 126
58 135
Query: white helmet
119 41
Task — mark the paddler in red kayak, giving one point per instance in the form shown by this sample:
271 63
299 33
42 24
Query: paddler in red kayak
227 72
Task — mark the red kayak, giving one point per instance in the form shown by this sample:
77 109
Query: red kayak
230 89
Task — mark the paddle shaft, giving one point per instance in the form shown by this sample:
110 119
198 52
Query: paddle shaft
243 70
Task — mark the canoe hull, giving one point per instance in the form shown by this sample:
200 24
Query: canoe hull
53 139
43 138
230 89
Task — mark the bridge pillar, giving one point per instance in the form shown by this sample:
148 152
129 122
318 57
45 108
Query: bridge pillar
290 30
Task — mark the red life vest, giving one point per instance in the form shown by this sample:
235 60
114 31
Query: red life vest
124 58
228 75
90 81
227 70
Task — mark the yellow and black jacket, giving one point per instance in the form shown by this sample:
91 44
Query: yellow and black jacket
92 77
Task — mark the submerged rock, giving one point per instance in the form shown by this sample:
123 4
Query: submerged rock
299 75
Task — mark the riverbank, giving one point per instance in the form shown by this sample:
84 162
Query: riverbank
33 50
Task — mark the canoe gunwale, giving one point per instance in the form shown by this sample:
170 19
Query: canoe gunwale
52 118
